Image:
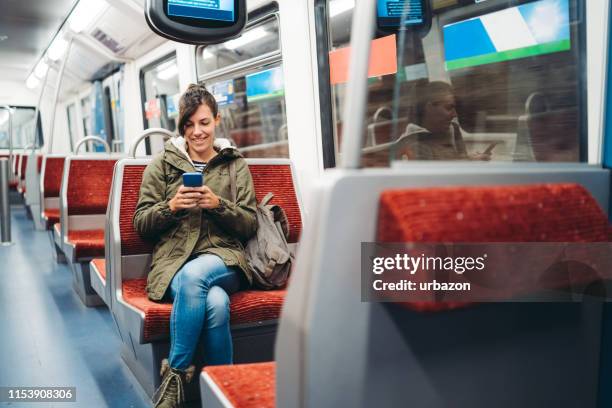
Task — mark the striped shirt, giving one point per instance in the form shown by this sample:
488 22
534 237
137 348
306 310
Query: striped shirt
199 166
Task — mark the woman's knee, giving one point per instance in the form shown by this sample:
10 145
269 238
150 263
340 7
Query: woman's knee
197 271
217 307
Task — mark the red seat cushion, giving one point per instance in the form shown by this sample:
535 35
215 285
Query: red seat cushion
13 185
247 306
87 243
246 385
532 213
52 216
100 265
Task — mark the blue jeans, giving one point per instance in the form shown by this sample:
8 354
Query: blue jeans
201 308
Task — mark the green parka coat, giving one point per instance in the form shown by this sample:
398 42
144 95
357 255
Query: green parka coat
221 231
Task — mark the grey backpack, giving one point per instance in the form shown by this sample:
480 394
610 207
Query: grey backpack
267 252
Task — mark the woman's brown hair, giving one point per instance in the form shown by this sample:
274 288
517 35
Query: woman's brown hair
190 101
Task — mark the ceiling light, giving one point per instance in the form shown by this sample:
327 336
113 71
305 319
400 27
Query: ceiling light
41 69
57 48
84 14
246 38
340 6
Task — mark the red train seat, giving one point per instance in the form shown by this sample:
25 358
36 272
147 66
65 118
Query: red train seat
51 173
243 385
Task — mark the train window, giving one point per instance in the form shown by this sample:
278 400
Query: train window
254 43
160 92
494 80
24 129
245 75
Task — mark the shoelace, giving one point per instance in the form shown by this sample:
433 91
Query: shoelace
161 391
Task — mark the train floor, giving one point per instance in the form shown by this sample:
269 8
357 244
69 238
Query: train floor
48 337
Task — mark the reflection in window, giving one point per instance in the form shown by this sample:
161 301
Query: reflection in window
24 128
253 43
489 81
161 95
162 92
251 97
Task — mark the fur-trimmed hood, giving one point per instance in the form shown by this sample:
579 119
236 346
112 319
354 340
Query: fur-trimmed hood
175 152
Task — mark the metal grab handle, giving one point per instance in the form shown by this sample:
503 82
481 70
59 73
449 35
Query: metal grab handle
381 110
165 133
91 139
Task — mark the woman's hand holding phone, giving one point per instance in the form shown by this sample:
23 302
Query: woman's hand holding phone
185 198
208 200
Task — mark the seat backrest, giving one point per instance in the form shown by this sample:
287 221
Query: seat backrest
278 177
86 185
527 213
51 174
524 213
385 131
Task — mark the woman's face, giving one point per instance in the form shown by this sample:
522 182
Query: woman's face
200 130
440 113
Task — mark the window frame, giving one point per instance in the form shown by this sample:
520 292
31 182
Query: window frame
143 91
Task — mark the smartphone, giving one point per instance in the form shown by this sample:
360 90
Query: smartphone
193 179
490 148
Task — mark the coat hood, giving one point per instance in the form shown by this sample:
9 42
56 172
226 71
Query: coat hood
175 152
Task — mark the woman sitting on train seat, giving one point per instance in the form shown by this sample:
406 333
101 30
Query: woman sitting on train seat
198 258
436 135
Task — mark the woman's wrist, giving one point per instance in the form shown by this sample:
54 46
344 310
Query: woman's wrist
172 206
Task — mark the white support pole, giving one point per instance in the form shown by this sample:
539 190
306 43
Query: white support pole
357 88
58 87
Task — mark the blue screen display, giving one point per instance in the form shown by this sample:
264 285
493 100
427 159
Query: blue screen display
391 12
219 10
265 85
527 30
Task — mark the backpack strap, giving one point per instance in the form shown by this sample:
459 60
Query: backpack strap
232 173
267 198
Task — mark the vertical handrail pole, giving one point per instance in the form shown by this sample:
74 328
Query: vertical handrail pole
37 111
5 205
357 90
58 87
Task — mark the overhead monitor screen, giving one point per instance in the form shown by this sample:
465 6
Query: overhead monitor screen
537 28
391 12
219 10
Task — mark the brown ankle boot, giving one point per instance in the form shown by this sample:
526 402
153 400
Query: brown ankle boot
170 393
